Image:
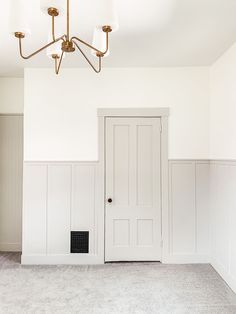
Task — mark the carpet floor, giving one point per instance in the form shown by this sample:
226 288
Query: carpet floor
124 288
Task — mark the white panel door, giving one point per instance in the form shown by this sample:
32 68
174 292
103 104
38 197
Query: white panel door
133 189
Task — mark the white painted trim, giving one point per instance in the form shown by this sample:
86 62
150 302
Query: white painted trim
60 162
10 247
65 259
11 115
136 112
188 259
223 162
165 189
101 192
133 112
190 160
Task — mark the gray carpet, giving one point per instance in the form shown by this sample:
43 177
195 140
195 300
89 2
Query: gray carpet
130 288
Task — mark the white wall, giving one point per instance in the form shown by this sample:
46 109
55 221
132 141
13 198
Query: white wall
223 173
61 111
11 95
223 107
61 125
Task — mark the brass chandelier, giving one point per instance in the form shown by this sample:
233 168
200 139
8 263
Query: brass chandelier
68 43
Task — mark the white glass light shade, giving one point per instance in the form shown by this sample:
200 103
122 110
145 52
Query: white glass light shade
57 4
99 42
54 49
107 14
18 17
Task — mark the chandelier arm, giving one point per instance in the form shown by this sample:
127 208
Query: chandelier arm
89 62
58 66
91 47
53 28
39 50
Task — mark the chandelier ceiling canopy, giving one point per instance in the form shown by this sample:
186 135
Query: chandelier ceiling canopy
58 46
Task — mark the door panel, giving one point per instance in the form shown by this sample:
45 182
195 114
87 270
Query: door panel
144 165
133 219
121 165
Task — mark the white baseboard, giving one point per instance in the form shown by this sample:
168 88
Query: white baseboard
186 259
65 259
90 259
10 247
231 281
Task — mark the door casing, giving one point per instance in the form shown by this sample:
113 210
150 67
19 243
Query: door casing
161 113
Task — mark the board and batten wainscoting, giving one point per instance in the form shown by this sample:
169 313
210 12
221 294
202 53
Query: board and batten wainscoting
189 211
223 219
60 197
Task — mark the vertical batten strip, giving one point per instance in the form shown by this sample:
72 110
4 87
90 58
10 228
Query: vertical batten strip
47 209
195 204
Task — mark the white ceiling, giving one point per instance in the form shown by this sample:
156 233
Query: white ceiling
153 33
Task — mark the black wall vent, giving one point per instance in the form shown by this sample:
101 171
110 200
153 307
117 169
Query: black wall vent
79 242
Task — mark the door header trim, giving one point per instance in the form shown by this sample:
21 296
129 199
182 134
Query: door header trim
133 112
